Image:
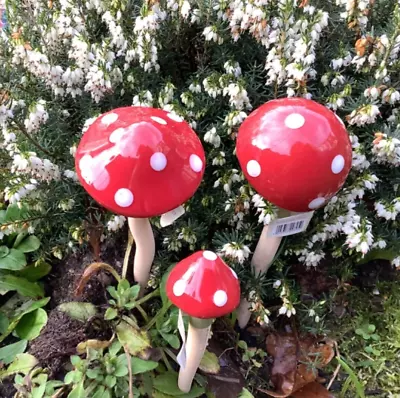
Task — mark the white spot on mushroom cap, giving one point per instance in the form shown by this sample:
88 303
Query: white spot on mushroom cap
179 287
109 118
158 120
315 203
220 298
123 197
337 164
158 161
175 117
209 255
294 121
196 164
116 135
93 172
253 168
234 273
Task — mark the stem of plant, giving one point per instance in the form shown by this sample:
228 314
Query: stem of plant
165 359
159 314
127 254
129 321
154 293
171 354
142 312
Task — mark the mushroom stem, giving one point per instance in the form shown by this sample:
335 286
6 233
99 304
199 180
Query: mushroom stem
142 234
196 343
262 259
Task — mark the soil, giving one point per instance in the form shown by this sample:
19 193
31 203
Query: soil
59 338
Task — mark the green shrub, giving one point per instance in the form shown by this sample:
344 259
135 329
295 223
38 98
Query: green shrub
65 62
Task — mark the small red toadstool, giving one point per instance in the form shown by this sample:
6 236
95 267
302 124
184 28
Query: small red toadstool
140 162
204 287
297 154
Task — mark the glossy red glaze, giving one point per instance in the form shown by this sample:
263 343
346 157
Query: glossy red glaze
140 162
203 286
295 152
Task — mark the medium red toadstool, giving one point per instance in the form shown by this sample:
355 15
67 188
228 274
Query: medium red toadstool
297 154
140 162
204 287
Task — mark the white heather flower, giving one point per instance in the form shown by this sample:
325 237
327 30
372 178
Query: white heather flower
277 284
396 262
116 223
212 137
236 251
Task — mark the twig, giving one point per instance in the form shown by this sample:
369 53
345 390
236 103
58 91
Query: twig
127 255
22 129
225 351
336 372
128 357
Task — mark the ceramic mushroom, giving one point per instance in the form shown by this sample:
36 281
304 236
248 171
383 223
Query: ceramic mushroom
141 162
297 154
204 287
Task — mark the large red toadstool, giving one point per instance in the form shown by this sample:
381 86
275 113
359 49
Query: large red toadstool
140 162
204 287
297 154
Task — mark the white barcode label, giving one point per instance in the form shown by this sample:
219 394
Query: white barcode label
168 218
290 225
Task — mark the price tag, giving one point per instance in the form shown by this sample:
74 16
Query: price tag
181 357
168 218
290 225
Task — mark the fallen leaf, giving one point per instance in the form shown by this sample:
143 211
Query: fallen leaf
209 363
313 390
296 361
136 341
94 344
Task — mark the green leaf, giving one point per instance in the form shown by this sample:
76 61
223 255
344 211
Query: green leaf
20 237
111 313
163 292
378 254
357 384
23 363
4 322
123 285
78 310
371 328
4 250
92 373
110 381
99 392
141 366
17 313
14 261
246 394
34 272
28 245
134 291
136 341
9 352
25 288
167 383
13 213
210 363
375 337
30 325
115 348
171 339
78 391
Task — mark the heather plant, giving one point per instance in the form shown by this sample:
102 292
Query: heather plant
211 62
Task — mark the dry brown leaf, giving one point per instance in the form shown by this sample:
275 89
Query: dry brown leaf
91 270
313 390
296 361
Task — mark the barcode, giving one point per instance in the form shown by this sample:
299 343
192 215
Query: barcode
289 228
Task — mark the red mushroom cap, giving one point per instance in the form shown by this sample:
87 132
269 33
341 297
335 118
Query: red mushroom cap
203 286
140 162
295 152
